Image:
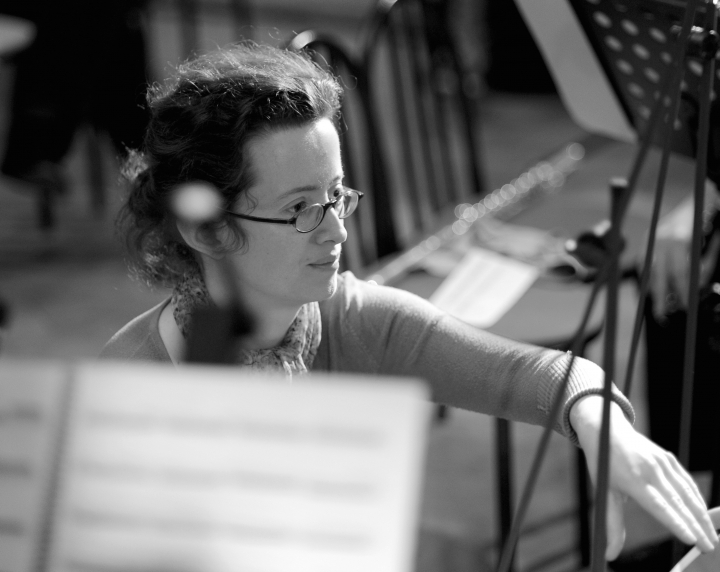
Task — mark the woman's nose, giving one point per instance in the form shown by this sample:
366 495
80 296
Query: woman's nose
332 228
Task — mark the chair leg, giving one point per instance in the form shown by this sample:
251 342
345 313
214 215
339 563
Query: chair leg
503 458
583 508
503 452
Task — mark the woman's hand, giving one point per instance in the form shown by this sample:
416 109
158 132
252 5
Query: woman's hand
644 471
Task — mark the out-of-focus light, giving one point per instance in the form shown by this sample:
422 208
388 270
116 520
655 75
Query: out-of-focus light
557 180
471 214
460 210
460 227
576 151
433 243
489 202
196 202
508 192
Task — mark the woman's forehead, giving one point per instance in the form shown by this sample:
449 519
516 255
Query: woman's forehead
307 156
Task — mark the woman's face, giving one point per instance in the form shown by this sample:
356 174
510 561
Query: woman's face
280 267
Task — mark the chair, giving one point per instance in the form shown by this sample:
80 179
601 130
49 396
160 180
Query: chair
413 127
427 118
191 12
371 231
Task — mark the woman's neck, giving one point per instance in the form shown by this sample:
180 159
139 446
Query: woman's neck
270 321
270 329
267 333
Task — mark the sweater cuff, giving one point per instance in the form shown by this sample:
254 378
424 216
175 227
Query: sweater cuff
586 378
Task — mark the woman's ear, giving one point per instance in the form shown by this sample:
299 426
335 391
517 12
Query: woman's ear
202 237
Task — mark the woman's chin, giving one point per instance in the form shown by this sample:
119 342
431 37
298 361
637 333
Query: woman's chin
332 286
329 288
317 290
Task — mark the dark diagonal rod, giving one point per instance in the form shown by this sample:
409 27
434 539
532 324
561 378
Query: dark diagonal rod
674 87
599 541
688 381
621 206
509 548
706 83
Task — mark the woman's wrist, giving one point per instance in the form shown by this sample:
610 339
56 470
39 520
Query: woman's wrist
586 379
585 417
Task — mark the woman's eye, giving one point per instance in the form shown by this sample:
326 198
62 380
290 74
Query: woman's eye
297 207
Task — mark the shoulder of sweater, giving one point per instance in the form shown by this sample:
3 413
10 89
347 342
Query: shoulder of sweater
354 297
139 339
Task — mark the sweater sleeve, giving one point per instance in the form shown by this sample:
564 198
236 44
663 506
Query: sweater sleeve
380 330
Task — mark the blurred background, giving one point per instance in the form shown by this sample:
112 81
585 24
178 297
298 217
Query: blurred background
63 281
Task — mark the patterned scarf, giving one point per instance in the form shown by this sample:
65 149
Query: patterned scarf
294 355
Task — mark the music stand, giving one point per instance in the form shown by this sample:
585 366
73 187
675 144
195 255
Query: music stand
623 68
608 59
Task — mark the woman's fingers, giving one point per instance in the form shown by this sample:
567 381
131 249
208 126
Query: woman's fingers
654 502
681 482
645 472
661 486
681 505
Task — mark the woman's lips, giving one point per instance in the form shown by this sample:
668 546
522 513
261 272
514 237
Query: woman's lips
327 262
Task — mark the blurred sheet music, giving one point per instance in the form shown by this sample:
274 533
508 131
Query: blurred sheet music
31 407
483 286
216 470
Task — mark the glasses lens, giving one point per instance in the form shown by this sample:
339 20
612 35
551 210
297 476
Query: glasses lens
309 218
347 204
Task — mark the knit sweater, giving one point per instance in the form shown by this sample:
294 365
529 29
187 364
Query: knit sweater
371 329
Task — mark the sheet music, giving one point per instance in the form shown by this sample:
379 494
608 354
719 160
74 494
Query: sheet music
483 287
583 85
200 470
30 407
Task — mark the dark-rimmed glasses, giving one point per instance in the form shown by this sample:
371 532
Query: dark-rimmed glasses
311 216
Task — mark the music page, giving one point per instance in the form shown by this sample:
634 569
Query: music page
203 469
31 403
483 287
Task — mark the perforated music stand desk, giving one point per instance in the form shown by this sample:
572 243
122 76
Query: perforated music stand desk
609 60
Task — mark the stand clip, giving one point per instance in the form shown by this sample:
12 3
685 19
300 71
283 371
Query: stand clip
702 44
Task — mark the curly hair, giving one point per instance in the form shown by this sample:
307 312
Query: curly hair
201 121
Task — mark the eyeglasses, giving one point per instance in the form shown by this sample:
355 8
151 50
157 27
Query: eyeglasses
311 216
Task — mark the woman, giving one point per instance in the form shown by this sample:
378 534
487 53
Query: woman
259 124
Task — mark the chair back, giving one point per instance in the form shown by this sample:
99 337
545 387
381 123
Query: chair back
409 136
426 115
371 230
